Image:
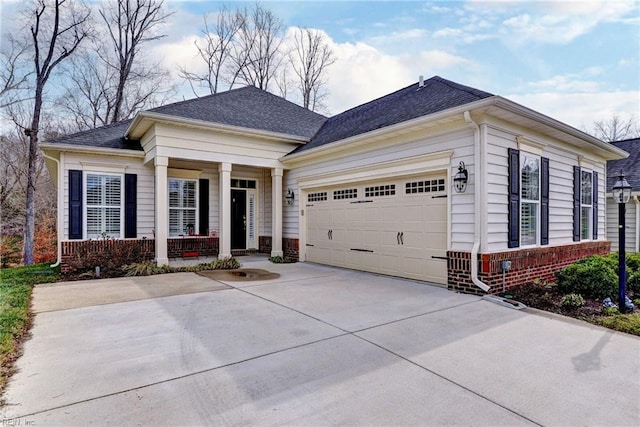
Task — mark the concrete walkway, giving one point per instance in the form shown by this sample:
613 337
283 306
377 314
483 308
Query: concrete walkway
317 346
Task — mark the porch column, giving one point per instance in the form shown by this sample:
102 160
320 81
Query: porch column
224 249
162 209
276 212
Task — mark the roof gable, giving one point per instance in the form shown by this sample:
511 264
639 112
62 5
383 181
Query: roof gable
249 107
630 166
437 94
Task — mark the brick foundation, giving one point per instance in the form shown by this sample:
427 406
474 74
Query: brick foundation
184 247
526 265
290 247
141 249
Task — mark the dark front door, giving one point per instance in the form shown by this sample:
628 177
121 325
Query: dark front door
238 219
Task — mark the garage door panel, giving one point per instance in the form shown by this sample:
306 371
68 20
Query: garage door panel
387 232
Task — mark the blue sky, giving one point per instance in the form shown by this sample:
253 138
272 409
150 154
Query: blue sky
575 61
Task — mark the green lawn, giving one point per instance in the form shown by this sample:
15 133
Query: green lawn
16 285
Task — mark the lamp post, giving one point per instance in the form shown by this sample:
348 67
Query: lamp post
621 193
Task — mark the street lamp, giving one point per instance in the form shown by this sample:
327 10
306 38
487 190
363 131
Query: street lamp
621 194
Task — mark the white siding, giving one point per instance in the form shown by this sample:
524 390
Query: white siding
459 139
630 222
145 222
562 158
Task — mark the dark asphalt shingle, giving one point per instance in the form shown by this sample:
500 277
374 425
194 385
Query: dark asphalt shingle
249 107
630 166
436 95
110 136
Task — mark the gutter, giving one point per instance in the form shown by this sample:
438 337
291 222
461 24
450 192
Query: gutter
478 193
60 211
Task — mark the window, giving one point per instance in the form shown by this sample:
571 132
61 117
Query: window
103 206
317 197
428 186
586 204
182 206
529 200
351 193
380 190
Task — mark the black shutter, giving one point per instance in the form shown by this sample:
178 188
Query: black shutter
595 205
576 203
75 204
130 205
203 208
514 198
544 201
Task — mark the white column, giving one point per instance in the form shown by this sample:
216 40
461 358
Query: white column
162 210
224 249
276 212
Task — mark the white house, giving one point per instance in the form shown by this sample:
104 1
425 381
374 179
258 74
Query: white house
630 168
370 189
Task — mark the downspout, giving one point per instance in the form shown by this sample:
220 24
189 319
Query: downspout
59 210
478 199
636 200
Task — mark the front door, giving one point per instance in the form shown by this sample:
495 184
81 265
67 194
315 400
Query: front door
238 219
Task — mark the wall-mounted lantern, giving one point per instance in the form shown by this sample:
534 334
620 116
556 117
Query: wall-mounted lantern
460 179
290 197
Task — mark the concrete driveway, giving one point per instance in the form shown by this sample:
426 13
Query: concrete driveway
316 346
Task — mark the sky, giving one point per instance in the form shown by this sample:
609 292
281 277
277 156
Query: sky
575 61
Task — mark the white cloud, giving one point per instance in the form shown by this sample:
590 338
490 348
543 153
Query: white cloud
581 109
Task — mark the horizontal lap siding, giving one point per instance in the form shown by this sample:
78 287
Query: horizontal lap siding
458 139
562 158
145 205
612 225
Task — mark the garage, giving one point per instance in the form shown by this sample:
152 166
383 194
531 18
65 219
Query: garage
397 227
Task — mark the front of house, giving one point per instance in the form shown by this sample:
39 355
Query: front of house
368 189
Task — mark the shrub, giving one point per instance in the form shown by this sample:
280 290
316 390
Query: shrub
281 260
225 264
592 277
10 250
109 254
145 268
572 301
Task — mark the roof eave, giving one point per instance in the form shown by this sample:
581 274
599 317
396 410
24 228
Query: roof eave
124 152
143 121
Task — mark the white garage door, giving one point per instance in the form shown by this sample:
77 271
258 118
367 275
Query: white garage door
396 227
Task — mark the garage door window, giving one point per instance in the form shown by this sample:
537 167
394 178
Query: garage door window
426 186
317 197
350 193
380 190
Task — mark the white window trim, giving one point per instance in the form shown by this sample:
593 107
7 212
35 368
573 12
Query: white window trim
85 206
197 200
582 205
530 201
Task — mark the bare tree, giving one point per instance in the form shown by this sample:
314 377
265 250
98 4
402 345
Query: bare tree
13 78
310 58
57 29
216 51
130 25
616 128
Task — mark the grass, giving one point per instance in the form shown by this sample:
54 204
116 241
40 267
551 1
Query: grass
16 285
629 323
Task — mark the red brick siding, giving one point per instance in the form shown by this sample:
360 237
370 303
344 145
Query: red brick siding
145 247
190 246
526 265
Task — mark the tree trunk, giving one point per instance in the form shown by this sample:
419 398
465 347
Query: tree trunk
30 220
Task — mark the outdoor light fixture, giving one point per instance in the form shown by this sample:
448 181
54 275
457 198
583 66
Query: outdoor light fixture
621 193
289 197
461 178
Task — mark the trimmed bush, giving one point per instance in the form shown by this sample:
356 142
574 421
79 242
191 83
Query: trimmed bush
281 260
572 301
592 277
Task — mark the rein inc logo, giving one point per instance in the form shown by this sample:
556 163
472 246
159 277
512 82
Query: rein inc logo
14 422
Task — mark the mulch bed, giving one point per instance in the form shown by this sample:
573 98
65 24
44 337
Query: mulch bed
547 298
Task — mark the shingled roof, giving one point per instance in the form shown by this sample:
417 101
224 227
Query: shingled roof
110 136
253 108
630 166
437 94
249 107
